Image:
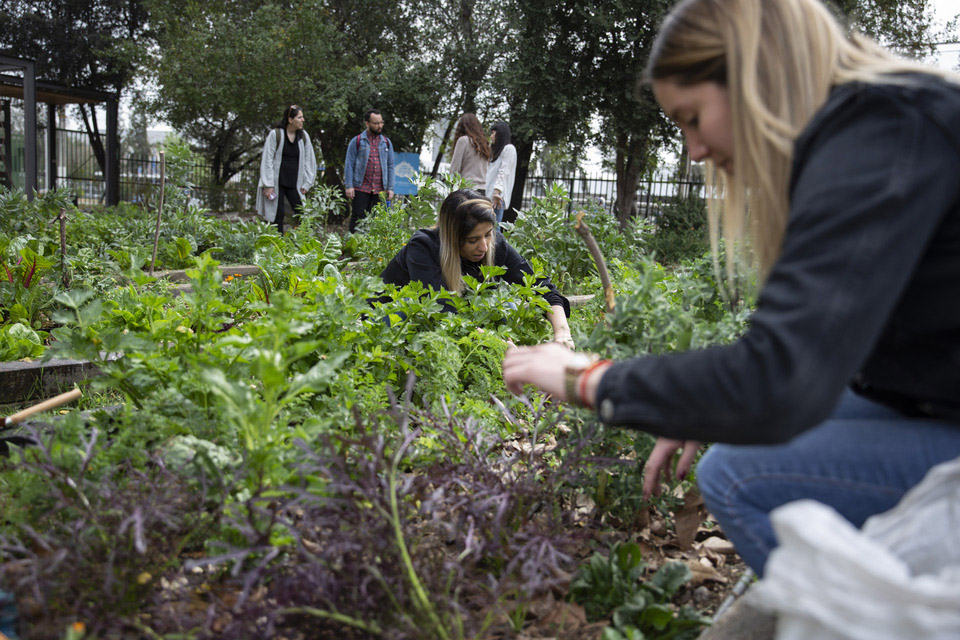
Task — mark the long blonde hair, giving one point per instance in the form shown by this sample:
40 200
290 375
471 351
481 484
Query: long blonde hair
460 213
778 60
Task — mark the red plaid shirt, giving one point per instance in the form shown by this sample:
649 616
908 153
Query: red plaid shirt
373 176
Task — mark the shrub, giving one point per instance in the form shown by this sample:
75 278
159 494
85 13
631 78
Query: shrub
545 234
681 231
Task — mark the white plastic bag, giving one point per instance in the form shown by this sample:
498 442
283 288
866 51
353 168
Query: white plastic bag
896 579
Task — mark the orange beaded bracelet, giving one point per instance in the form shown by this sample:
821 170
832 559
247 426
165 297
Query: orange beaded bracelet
582 381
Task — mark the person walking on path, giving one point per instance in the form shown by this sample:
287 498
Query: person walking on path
471 152
288 167
846 387
502 169
369 168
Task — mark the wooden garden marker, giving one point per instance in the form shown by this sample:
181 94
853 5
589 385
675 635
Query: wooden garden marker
51 403
594 248
156 235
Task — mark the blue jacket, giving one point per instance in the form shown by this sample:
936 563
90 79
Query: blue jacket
358 152
866 291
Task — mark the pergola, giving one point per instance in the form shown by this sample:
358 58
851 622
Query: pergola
32 91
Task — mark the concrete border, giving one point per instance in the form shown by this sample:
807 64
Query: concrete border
22 381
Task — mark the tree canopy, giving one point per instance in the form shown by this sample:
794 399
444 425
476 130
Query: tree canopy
561 74
92 44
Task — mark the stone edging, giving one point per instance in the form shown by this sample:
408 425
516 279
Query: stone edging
22 381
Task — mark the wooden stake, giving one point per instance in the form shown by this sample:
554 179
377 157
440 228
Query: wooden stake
163 187
46 405
594 248
64 276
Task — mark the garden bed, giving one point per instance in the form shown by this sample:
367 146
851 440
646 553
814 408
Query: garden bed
290 460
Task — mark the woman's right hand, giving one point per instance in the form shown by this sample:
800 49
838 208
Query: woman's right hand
268 193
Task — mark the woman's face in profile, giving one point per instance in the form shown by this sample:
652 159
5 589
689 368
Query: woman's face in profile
297 120
477 242
703 112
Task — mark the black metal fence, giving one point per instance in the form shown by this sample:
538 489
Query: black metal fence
139 177
77 168
601 189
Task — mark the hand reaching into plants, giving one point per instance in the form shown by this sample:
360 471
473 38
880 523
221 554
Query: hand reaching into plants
661 461
542 366
561 330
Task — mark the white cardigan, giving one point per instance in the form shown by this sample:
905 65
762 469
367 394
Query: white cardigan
270 171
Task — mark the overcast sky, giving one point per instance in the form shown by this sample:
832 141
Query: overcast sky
949 54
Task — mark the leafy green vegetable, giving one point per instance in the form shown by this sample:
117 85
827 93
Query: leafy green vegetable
19 341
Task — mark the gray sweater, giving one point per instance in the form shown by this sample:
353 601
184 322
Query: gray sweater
270 170
468 163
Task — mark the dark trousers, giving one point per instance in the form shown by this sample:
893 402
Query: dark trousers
291 194
362 203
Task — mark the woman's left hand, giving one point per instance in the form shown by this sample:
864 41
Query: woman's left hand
561 330
542 366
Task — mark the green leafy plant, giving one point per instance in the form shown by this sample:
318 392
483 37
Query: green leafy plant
611 586
19 341
545 232
322 202
680 230
23 294
663 311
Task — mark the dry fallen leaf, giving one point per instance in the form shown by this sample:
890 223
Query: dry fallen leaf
717 544
703 574
687 519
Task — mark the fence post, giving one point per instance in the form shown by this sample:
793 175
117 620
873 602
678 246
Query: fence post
6 178
51 147
112 168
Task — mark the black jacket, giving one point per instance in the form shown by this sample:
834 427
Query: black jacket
419 260
866 291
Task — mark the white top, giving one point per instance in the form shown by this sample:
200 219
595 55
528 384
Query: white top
501 174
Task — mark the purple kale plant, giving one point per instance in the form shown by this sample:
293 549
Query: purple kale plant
99 551
397 540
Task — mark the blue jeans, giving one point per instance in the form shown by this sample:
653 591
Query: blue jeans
860 461
499 212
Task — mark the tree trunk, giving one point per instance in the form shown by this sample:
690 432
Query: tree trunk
331 170
96 140
629 165
443 147
524 151
215 197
